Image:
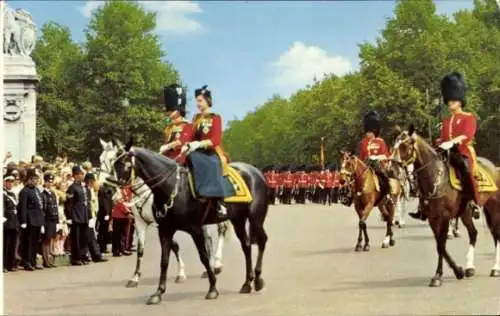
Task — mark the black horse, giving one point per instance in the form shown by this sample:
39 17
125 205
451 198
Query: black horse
170 186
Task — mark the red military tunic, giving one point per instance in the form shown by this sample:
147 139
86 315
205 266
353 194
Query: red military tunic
181 131
462 124
373 147
272 179
336 179
208 126
303 180
328 179
288 180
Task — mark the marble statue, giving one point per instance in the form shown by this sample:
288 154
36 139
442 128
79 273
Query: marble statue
19 34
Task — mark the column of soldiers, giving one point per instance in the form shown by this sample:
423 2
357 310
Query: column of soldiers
302 183
54 209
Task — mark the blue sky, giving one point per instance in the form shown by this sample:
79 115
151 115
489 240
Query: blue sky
247 51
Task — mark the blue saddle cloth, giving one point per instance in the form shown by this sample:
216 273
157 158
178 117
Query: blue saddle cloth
206 170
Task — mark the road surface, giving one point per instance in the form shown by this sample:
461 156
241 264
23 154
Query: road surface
310 268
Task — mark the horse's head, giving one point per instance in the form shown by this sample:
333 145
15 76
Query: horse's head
115 162
348 166
404 150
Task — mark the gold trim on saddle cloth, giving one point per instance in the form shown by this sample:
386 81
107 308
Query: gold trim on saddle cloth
242 195
485 182
393 183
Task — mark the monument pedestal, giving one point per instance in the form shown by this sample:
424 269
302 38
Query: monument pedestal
20 80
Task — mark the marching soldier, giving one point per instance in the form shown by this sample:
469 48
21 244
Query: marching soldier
179 131
31 219
374 150
77 212
457 134
10 224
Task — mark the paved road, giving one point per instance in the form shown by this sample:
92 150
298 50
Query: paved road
309 268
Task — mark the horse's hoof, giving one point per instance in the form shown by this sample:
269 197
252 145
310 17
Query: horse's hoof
450 236
358 248
392 242
131 283
495 273
217 270
435 282
456 234
259 284
366 247
180 279
212 295
401 225
154 300
459 273
204 275
470 272
396 223
385 245
246 289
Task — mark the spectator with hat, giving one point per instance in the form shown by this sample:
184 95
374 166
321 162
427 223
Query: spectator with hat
51 226
10 224
77 214
31 219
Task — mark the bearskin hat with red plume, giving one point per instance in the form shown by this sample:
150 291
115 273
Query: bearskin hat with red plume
453 88
174 98
371 122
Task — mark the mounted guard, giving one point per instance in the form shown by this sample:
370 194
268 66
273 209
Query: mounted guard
178 131
457 134
374 151
212 177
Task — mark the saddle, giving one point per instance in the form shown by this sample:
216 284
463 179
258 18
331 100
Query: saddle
242 193
484 180
393 183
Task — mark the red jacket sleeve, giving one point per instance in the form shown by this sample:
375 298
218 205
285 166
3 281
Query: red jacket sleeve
363 154
383 148
216 131
187 133
469 129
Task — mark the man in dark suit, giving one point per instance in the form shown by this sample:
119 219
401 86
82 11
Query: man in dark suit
10 224
31 218
77 212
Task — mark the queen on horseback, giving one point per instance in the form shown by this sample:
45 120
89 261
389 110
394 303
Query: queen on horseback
206 158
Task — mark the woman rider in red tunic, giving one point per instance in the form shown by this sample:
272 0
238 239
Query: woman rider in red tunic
205 155
179 131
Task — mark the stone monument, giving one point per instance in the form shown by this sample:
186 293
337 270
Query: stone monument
20 80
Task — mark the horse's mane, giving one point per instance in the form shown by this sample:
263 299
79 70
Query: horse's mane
421 143
152 159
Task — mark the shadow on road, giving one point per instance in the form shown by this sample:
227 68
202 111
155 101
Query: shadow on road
307 253
393 283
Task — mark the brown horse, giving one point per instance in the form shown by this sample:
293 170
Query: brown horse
360 182
442 200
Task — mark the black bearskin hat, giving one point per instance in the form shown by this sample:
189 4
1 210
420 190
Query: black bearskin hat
371 123
174 98
31 173
453 88
205 93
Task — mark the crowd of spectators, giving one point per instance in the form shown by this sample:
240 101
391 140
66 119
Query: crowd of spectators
60 209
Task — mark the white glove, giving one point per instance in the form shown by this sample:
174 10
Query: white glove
92 223
42 230
373 157
4 220
164 148
190 147
58 227
23 226
106 218
69 222
447 145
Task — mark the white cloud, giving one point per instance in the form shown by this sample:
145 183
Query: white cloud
90 6
299 65
173 16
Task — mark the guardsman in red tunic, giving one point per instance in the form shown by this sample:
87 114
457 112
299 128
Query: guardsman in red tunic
205 154
374 150
329 183
457 135
179 131
336 183
287 186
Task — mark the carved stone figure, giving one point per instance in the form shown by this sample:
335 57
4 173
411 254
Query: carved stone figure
19 33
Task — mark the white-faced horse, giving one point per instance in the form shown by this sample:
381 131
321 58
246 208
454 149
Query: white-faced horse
142 209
